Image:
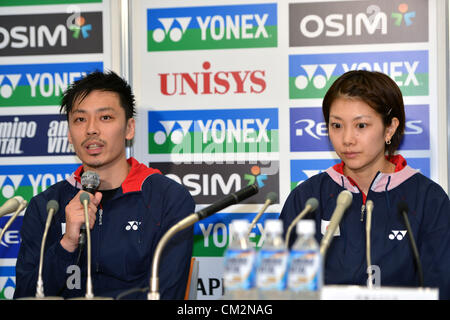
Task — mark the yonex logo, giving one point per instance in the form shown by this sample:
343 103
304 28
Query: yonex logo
132 225
175 31
403 14
319 81
7 281
397 234
8 84
177 135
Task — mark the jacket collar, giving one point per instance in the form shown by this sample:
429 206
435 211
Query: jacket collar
133 182
381 182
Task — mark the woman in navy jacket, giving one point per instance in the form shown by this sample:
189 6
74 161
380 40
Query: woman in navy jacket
365 116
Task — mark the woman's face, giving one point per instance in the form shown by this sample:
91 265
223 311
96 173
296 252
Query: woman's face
358 135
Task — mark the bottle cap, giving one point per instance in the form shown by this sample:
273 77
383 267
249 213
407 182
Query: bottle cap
307 226
239 226
274 225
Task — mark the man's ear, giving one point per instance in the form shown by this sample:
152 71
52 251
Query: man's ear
130 130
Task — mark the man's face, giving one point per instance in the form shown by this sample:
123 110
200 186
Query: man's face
98 129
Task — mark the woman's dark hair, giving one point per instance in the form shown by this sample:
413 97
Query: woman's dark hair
107 81
376 89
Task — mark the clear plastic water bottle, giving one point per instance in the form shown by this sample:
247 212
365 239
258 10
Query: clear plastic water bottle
305 264
240 258
272 263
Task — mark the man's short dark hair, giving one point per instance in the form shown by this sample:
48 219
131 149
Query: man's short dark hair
103 81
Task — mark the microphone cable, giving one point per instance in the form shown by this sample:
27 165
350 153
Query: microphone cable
403 211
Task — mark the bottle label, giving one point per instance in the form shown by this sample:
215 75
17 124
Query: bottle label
304 270
239 269
271 271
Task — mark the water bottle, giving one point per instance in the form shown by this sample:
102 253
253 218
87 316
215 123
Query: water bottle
272 263
305 264
240 256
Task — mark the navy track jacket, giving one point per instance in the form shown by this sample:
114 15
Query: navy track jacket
345 261
124 237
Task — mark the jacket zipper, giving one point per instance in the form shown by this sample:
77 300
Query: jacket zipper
100 222
100 214
363 209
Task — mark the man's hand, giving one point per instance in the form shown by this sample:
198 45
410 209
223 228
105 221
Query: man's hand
75 219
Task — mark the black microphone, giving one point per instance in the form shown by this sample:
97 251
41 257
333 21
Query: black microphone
90 182
403 211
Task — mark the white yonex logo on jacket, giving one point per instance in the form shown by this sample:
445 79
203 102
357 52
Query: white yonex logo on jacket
397 234
132 225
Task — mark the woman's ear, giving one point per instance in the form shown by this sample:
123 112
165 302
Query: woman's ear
390 129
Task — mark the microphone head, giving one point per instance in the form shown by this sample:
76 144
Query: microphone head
313 203
345 198
19 198
402 206
84 197
272 196
52 204
90 180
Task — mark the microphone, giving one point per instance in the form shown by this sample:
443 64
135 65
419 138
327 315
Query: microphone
402 208
310 206
233 198
369 209
52 207
10 205
343 201
90 182
84 199
19 209
270 198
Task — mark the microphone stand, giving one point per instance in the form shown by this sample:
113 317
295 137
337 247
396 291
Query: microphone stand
311 205
84 198
233 198
369 208
154 280
52 207
271 198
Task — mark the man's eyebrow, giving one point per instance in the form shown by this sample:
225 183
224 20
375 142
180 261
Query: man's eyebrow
78 110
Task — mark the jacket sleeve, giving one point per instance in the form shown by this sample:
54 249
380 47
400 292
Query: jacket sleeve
434 240
176 257
56 258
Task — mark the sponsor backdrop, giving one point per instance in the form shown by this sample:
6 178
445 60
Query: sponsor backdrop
44 47
229 93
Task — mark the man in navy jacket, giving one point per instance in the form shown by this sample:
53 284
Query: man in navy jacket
131 210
